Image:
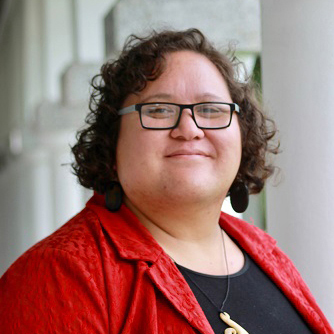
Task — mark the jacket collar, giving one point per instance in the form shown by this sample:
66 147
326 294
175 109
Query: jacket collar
134 242
131 239
252 239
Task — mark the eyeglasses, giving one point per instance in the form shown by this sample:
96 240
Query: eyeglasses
162 116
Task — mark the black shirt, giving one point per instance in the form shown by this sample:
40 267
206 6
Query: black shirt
254 301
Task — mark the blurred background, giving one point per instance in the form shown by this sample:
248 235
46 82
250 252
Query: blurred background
49 51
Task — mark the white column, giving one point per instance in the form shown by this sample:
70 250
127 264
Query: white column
57 44
67 195
298 85
25 204
90 29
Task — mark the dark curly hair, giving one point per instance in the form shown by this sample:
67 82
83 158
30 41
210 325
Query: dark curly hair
143 60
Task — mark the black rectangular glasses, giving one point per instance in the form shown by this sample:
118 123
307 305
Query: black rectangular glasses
160 116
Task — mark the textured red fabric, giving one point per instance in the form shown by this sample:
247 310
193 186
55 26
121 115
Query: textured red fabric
103 272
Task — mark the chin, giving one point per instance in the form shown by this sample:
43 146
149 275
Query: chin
192 190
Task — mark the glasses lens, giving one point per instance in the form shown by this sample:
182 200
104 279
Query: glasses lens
212 115
159 116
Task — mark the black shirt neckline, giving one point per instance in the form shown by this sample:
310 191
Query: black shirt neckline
240 272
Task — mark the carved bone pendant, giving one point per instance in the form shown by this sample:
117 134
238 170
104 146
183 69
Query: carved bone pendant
236 329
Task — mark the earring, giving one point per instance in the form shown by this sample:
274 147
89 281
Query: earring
114 196
239 196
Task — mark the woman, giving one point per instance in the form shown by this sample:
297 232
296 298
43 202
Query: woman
171 133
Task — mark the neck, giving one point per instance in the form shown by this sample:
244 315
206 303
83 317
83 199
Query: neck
192 223
191 235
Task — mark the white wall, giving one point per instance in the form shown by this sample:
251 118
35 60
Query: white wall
298 85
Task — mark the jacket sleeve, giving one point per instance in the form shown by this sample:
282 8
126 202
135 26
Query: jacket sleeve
52 291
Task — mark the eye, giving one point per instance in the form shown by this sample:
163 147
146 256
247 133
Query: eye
158 111
212 110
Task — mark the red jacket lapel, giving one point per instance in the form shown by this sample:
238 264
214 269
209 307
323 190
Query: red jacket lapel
134 242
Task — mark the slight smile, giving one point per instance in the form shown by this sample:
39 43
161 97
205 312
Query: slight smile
187 154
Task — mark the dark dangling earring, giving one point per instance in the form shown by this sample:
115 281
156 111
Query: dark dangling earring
239 196
114 196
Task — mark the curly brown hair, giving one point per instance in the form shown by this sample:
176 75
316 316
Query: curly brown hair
143 60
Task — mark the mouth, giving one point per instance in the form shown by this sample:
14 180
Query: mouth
187 154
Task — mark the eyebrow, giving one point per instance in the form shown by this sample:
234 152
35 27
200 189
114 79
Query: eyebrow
206 97
213 97
160 96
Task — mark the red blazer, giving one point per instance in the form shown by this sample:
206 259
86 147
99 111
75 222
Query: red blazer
103 272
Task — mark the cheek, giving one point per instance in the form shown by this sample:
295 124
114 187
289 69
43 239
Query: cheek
127 166
136 152
123 149
229 148
126 143
235 137
229 140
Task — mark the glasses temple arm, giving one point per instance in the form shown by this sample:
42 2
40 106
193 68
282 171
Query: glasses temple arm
236 108
127 110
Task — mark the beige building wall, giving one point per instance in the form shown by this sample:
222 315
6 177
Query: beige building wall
298 87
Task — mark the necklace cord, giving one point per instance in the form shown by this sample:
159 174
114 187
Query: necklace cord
228 282
225 317
228 276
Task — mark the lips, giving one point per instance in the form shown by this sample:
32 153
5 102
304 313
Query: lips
187 152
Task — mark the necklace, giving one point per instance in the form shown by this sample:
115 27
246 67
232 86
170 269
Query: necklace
225 317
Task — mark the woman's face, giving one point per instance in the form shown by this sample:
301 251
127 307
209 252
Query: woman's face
185 164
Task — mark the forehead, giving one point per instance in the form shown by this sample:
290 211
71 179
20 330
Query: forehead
188 77
187 66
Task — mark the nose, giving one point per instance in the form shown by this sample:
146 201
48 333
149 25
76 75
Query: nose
187 128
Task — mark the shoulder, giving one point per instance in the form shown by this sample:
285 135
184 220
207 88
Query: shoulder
61 274
264 250
75 242
77 237
248 235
